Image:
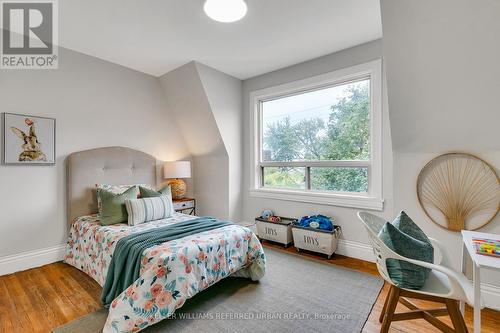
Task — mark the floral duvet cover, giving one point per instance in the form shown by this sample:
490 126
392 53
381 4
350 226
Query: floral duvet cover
171 272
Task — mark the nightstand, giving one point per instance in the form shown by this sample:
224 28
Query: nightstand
185 206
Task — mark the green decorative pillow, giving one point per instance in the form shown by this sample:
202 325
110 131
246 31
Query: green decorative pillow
405 238
113 208
149 193
405 224
116 189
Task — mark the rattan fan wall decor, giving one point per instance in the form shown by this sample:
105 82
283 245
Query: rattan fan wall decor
459 191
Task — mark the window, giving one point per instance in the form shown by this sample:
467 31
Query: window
320 138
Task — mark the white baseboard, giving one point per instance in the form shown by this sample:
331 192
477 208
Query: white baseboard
355 250
250 225
29 259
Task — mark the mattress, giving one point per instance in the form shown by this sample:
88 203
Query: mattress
170 273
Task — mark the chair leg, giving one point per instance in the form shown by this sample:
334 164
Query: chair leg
382 314
456 316
393 299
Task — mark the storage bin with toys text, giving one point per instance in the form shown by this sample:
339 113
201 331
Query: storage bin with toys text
317 233
275 228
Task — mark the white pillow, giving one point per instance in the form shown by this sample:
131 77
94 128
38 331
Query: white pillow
149 209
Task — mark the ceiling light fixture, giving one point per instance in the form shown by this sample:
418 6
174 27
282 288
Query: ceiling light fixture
225 10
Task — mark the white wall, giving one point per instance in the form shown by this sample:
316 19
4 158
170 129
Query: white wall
353 232
207 106
442 74
224 94
96 104
188 102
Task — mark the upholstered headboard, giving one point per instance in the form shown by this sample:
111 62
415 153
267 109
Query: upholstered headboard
109 165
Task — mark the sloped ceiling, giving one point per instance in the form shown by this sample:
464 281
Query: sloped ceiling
224 95
188 102
443 70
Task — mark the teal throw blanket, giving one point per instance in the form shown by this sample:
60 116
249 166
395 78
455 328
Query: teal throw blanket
126 262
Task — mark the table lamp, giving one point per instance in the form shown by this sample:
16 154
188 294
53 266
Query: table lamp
174 171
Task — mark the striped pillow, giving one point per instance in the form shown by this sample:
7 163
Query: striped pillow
149 209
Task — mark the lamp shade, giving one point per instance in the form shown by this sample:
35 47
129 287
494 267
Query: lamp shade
177 169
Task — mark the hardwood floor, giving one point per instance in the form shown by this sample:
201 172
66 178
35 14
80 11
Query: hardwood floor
40 299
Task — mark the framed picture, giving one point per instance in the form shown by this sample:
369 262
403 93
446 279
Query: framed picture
28 140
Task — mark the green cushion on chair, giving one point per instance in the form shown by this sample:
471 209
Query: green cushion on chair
149 193
405 224
113 205
405 238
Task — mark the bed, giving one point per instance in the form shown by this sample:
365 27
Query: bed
171 272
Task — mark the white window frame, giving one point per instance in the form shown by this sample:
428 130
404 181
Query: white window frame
373 199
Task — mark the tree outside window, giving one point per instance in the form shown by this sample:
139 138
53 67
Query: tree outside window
318 140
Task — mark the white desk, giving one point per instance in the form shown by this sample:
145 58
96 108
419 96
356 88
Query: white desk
478 261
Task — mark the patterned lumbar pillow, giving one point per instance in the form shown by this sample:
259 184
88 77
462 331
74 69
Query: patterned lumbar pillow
149 209
405 238
146 192
113 208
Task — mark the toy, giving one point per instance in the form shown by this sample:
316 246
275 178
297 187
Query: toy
317 222
487 247
274 219
266 214
314 225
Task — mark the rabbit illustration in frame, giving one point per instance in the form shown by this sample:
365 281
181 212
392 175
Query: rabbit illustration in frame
25 144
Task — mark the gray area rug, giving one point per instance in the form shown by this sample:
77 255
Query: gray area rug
296 295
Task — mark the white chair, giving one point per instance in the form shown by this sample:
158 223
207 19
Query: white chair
444 284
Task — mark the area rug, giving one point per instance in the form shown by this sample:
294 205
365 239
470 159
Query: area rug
296 295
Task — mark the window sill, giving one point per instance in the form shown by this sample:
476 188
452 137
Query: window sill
330 199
